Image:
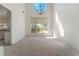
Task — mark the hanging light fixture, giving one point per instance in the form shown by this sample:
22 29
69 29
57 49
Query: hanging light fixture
40 8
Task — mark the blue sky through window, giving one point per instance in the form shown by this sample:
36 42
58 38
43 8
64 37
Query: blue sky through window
37 7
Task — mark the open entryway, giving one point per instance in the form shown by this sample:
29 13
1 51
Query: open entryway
5 26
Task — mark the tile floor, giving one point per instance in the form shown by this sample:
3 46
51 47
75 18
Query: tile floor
39 46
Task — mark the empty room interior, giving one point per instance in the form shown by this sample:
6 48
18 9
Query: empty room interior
39 29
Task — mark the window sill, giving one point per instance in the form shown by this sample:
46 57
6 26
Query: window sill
39 34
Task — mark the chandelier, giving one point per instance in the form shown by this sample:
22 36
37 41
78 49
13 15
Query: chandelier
40 8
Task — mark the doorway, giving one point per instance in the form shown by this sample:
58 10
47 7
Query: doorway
5 26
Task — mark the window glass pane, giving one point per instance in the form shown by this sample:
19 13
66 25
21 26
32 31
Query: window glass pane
38 6
45 28
39 28
33 30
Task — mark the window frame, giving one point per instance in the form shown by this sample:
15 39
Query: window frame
42 25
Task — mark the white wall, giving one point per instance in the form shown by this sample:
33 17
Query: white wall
69 17
30 13
18 20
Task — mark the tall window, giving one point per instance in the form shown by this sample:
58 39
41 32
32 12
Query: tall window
39 26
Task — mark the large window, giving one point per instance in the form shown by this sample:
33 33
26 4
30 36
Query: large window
39 26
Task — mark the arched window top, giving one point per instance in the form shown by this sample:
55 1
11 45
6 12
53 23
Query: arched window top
40 8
